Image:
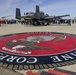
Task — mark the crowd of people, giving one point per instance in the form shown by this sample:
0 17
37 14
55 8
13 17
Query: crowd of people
62 21
74 21
7 21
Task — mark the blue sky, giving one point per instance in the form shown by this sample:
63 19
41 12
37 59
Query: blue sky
51 7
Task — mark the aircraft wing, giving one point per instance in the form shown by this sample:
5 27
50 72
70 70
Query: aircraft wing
62 16
52 17
27 17
6 16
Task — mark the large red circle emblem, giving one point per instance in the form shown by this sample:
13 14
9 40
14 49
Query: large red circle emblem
37 44
37 48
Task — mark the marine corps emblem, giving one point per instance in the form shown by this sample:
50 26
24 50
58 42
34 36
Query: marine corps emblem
36 50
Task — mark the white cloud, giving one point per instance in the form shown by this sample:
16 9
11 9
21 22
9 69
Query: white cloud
7 4
7 7
60 8
38 1
66 4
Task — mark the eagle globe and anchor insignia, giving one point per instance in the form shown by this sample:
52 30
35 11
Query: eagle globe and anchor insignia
37 50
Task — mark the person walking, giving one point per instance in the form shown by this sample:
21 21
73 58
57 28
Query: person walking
0 23
69 22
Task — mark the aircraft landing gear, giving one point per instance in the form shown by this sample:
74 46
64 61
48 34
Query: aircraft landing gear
35 23
40 22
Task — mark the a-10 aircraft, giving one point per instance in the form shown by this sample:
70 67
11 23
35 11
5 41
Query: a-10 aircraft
38 17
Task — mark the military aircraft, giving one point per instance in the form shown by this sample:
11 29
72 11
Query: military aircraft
3 17
37 17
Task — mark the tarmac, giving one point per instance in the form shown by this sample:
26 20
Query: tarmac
18 28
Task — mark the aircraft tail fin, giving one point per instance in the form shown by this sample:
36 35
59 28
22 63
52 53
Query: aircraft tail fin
18 13
37 11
